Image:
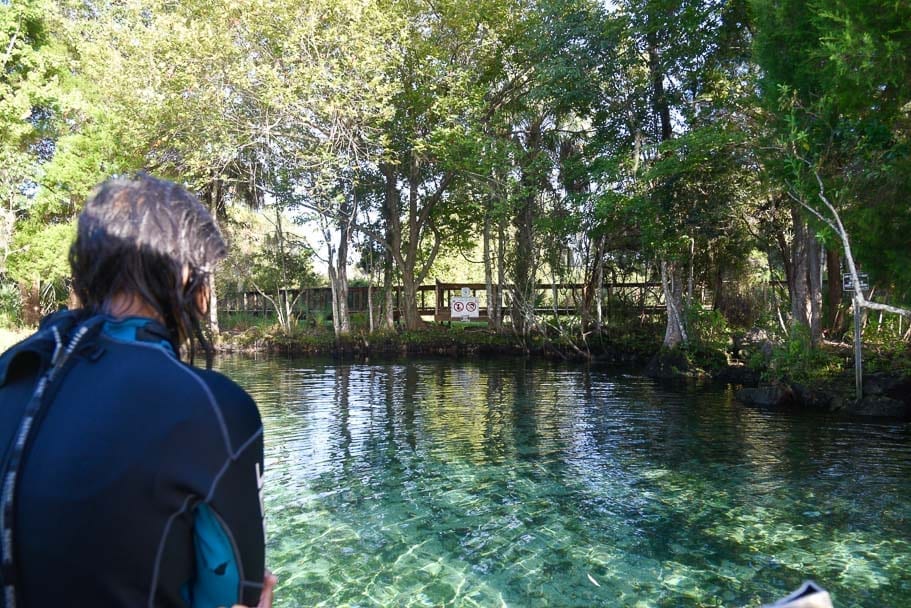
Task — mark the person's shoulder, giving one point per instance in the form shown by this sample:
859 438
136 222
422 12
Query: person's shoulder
34 352
28 356
235 405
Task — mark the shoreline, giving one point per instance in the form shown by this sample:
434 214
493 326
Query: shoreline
886 395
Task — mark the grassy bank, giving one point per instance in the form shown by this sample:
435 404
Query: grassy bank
630 346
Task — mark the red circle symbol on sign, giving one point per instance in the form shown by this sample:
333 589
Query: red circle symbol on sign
457 306
471 306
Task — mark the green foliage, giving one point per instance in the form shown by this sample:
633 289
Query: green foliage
836 83
10 305
573 132
891 357
798 360
709 328
41 253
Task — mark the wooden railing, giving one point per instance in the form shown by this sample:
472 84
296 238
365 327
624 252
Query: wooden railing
434 300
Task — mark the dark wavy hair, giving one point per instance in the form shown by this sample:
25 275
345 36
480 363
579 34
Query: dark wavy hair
141 238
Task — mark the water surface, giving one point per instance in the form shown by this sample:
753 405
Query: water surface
524 484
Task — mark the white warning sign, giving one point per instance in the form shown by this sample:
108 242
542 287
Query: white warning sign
464 307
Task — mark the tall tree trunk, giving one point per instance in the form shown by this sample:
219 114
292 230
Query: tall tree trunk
719 295
523 299
591 289
501 270
370 325
488 273
408 261
333 286
393 240
671 275
814 286
409 307
213 307
284 320
672 286
388 295
806 293
689 281
406 248
213 197
800 297
599 313
525 266
341 274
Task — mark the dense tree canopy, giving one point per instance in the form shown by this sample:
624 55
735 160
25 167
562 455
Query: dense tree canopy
678 141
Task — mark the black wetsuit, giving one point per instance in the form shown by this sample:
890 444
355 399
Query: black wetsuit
140 484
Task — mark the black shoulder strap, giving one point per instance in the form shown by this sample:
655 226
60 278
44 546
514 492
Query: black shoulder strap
29 423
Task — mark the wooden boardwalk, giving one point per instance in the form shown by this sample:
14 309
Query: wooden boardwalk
434 300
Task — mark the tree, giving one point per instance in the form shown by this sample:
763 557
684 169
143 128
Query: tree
268 257
835 78
682 65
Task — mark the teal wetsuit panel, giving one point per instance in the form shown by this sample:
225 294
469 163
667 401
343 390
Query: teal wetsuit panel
125 330
217 577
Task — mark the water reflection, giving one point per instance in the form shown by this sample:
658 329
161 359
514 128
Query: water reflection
485 483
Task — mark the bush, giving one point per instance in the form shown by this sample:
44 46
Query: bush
10 305
799 360
709 328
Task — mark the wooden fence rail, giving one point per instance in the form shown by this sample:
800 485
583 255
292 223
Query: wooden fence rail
434 300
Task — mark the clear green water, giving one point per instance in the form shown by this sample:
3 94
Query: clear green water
508 483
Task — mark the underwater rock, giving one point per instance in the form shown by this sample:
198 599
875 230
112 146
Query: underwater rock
813 398
880 406
672 365
888 385
766 396
738 374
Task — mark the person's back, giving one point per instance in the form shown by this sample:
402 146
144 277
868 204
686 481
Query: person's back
136 483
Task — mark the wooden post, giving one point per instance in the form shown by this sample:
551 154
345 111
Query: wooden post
858 350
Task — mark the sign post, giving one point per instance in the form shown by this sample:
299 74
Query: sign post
858 351
847 284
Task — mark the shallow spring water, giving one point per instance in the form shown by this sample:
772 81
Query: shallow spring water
523 484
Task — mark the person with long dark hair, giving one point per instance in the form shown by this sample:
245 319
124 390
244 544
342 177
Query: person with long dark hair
130 478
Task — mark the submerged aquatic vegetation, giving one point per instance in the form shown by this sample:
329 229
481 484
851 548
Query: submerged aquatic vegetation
519 483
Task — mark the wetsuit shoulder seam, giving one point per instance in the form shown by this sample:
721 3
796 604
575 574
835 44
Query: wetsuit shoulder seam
213 402
230 459
216 408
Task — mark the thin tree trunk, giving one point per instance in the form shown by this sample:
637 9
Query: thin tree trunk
501 271
671 284
833 269
488 273
599 315
388 288
800 293
689 283
814 284
333 286
284 319
370 305
341 278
